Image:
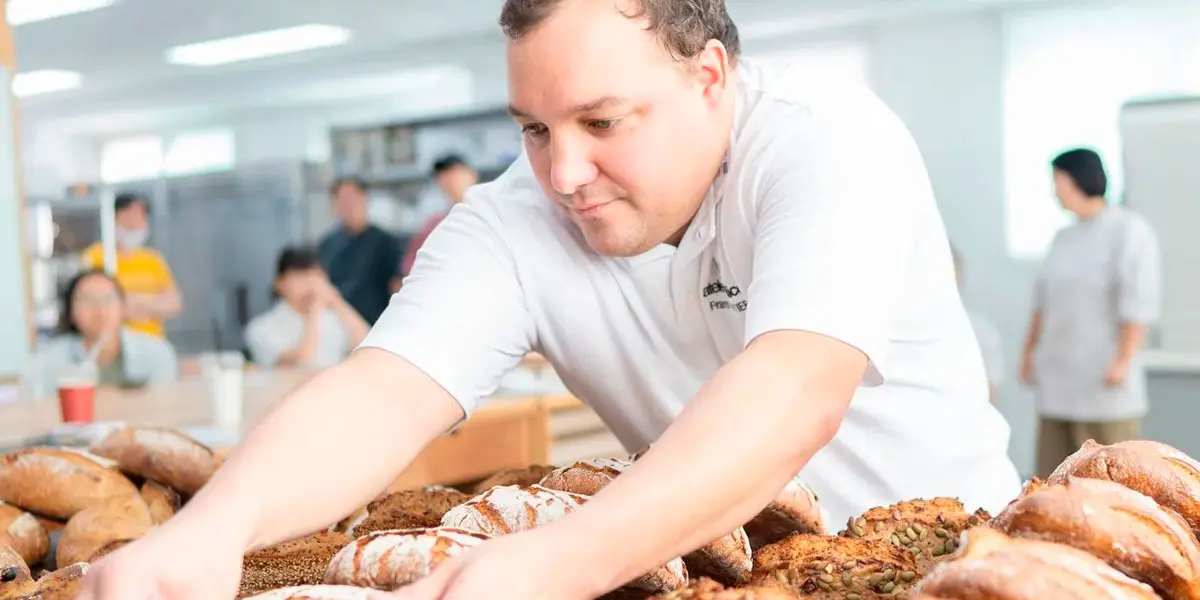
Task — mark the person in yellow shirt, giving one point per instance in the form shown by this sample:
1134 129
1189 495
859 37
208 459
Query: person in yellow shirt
151 295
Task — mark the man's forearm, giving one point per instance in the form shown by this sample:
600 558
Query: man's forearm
282 482
734 447
1033 333
1130 340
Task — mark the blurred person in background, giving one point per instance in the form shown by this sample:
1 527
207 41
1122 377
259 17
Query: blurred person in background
362 260
454 177
987 334
311 325
92 314
1097 291
151 295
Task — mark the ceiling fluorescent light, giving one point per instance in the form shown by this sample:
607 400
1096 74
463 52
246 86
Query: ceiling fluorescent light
20 12
258 45
45 82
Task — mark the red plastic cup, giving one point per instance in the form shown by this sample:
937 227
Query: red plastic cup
77 399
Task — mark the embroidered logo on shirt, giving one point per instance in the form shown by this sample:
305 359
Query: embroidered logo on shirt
717 288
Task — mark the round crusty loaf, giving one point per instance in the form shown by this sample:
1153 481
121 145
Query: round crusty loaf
163 455
315 592
522 476
585 477
1157 470
58 482
794 510
23 533
120 518
1124 528
387 560
163 501
13 569
928 528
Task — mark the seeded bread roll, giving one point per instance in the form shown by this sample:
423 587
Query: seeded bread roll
1159 471
13 569
58 482
408 509
794 510
23 533
301 561
118 518
62 584
707 589
387 560
163 501
820 567
315 592
586 476
522 477
1126 529
163 455
992 566
927 528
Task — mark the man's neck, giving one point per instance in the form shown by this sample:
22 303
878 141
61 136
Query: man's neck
355 228
1093 207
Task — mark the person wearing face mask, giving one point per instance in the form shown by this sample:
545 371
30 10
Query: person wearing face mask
454 177
311 325
151 295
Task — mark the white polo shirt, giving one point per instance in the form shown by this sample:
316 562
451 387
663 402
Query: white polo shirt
825 221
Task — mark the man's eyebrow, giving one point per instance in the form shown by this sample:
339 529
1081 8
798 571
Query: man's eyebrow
584 108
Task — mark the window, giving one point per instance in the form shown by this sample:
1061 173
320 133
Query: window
147 156
131 158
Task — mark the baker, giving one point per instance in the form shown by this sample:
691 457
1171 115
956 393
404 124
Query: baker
744 268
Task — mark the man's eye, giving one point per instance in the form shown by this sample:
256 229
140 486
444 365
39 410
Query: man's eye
603 124
533 130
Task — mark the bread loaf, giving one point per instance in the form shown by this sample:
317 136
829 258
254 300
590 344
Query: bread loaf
820 567
794 510
408 509
302 561
387 560
1159 471
62 584
52 526
23 533
315 592
58 482
117 518
707 589
585 477
522 477
13 568
162 501
1124 528
992 566
163 455
929 529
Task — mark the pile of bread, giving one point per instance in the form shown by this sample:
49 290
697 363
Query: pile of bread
1113 522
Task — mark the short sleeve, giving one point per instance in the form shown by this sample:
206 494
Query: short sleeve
839 211
167 277
1139 285
461 316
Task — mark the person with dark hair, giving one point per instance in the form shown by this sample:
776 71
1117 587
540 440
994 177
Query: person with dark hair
361 259
311 325
151 295
741 270
90 320
454 177
1097 291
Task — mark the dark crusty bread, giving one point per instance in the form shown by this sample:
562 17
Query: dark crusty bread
407 509
823 567
23 533
1157 470
57 482
586 476
708 589
301 561
62 584
315 592
794 510
163 501
523 477
387 560
992 566
118 518
1122 527
13 569
927 528
158 454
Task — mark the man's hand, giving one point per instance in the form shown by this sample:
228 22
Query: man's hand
1116 373
1026 373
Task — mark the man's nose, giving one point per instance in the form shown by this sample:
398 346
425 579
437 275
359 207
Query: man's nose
571 167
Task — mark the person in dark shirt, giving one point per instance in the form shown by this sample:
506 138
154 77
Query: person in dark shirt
362 260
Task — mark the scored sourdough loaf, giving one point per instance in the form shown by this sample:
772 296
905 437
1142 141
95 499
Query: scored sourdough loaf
586 477
23 533
163 501
1157 470
407 509
1124 528
315 592
62 584
58 482
523 477
993 566
301 561
387 560
158 454
795 509
929 529
708 589
119 518
821 567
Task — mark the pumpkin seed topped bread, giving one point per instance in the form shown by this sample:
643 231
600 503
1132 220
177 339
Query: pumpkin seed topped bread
819 567
929 529
707 589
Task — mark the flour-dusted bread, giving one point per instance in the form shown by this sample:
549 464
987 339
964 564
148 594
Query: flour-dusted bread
163 501
822 567
794 510
407 509
1124 528
523 476
13 569
1159 471
62 584
158 454
708 589
23 533
315 592
302 561
585 477
993 566
58 482
929 528
387 560
118 518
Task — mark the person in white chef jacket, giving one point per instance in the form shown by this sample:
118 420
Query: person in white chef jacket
1098 290
746 271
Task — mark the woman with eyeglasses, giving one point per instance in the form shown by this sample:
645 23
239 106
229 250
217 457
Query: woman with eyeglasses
91 319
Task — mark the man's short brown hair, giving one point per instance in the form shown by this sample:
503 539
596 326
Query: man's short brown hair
683 27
